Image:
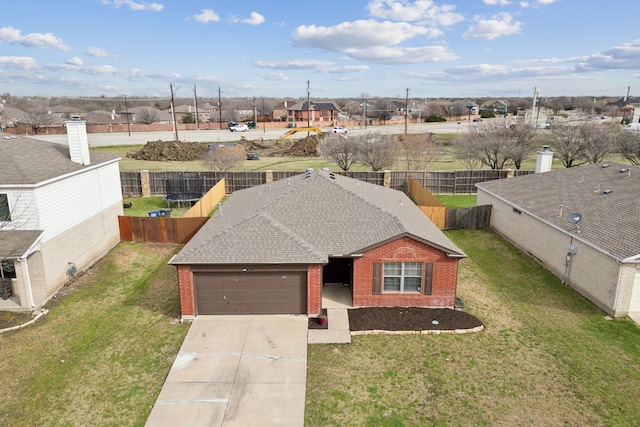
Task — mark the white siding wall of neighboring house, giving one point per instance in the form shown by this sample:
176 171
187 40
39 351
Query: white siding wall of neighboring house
590 272
23 207
64 203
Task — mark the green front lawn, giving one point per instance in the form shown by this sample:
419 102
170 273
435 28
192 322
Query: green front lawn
547 357
99 358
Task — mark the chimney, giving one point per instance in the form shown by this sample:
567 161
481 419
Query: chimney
78 142
544 160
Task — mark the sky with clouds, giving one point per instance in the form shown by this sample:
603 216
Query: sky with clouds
253 48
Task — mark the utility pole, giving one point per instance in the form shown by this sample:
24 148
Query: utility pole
219 109
195 104
173 115
364 111
536 93
308 105
406 110
126 109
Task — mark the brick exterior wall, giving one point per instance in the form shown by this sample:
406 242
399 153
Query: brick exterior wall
314 289
187 298
445 275
591 272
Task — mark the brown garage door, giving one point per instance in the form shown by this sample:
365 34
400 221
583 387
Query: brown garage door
251 293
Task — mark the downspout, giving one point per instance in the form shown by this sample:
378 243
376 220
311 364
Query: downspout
615 300
28 279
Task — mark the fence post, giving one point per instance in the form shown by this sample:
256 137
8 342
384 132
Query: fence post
509 173
386 179
145 184
268 176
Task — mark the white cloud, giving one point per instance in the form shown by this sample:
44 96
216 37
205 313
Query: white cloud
255 19
38 40
206 16
535 3
498 26
625 57
425 11
23 62
312 64
133 5
75 61
97 52
497 2
356 35
274 76
403 55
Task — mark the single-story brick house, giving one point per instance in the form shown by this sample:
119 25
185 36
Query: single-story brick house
271 248
580 223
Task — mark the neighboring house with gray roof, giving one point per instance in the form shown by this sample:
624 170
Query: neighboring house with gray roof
270 249
596 252
58 213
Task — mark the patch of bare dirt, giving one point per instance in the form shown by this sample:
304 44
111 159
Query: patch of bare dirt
166 151
301 147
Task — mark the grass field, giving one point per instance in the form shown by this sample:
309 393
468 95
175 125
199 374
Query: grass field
445 160
546 358
101 354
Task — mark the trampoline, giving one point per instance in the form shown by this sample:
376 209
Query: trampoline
183 191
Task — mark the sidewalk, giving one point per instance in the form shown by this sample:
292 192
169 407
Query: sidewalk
338 331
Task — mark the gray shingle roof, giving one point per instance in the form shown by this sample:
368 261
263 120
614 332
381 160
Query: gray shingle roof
15 243
305 219
609 221
30 161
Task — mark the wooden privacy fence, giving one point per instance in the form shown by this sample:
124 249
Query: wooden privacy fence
208 202
147 183
159 229
472 218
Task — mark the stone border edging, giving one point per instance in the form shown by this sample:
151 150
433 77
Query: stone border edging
424 332
25 324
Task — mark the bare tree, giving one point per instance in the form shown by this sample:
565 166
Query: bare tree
496 146
457 109
339 149
224 158
628 145
147 115
415 150
600 141
578 144
376 150
38 115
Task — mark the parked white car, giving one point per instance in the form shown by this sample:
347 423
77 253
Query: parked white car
239 128
339 129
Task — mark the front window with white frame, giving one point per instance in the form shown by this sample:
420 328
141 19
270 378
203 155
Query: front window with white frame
402 277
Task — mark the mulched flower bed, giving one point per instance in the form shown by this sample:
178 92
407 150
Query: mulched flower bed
410 319
406 319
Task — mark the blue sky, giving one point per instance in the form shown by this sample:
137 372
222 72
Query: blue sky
344 48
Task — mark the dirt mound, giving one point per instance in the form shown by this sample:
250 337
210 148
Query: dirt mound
164 151
303 147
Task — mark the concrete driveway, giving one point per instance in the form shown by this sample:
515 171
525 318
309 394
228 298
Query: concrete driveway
237 371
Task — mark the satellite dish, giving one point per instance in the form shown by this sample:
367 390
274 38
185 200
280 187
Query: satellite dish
574 218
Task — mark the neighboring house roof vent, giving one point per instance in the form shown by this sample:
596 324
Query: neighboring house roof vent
606 165
544 160
607 191
624 170
78 142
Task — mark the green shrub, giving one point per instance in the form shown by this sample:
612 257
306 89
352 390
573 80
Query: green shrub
435 118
